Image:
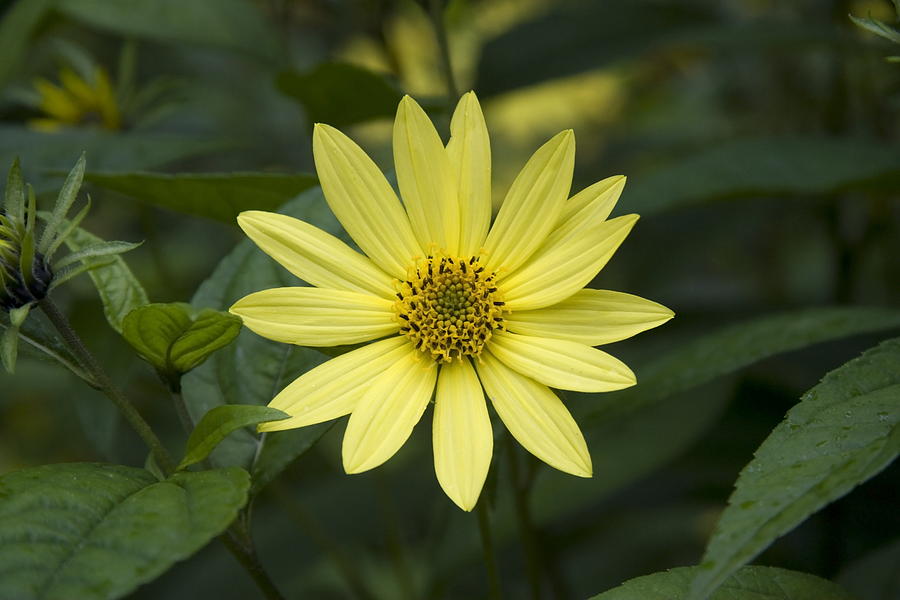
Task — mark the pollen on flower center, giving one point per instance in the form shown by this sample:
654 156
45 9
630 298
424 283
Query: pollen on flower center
449 307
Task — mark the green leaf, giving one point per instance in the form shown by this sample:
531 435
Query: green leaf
750 583
341 94
219 196
229 24
96 251
15 31
119 289
735 347
218 423
764 167
67 195
170 338
254 369
44 154
96 532
14 198
42 344
877 27
842 432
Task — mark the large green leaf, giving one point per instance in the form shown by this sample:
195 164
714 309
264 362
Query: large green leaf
219 196
341 94
735 347
254 369
46 153
750 583
843 432
230 24
120 291
765 167
96 531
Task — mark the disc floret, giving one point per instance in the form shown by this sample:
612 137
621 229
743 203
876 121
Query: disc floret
449 307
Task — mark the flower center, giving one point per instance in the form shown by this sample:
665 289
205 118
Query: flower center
449 307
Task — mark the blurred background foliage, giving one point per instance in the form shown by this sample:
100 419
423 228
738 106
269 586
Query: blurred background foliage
760 139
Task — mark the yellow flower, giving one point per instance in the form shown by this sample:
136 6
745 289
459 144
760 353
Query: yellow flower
455 304
77 101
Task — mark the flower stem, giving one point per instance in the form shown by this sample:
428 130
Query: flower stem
106 385
440 32
487 550
238 540
523 516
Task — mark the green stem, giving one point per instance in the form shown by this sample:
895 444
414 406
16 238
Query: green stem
187 423
106 385
487 550
238 541
440 32
523 518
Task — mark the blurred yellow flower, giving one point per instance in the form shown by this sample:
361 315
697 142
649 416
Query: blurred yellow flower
77 101
457 305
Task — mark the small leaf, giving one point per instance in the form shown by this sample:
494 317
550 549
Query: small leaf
211 331
843 432
152 329
877 27
169 338
119 289
96 250
750 583
64 202
96 531
341 94
219 196
218 423
14 203
9 345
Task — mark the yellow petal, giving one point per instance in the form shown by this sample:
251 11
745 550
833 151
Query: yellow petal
363 201
535 417
533 204
77 87
386 414
463 440
561 364
470 158
313 255
588 207
332 389
591 317
561 269
426 181
309 316
57 102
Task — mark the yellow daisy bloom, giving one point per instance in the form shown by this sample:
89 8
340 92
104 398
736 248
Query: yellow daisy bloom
77 101
453 306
